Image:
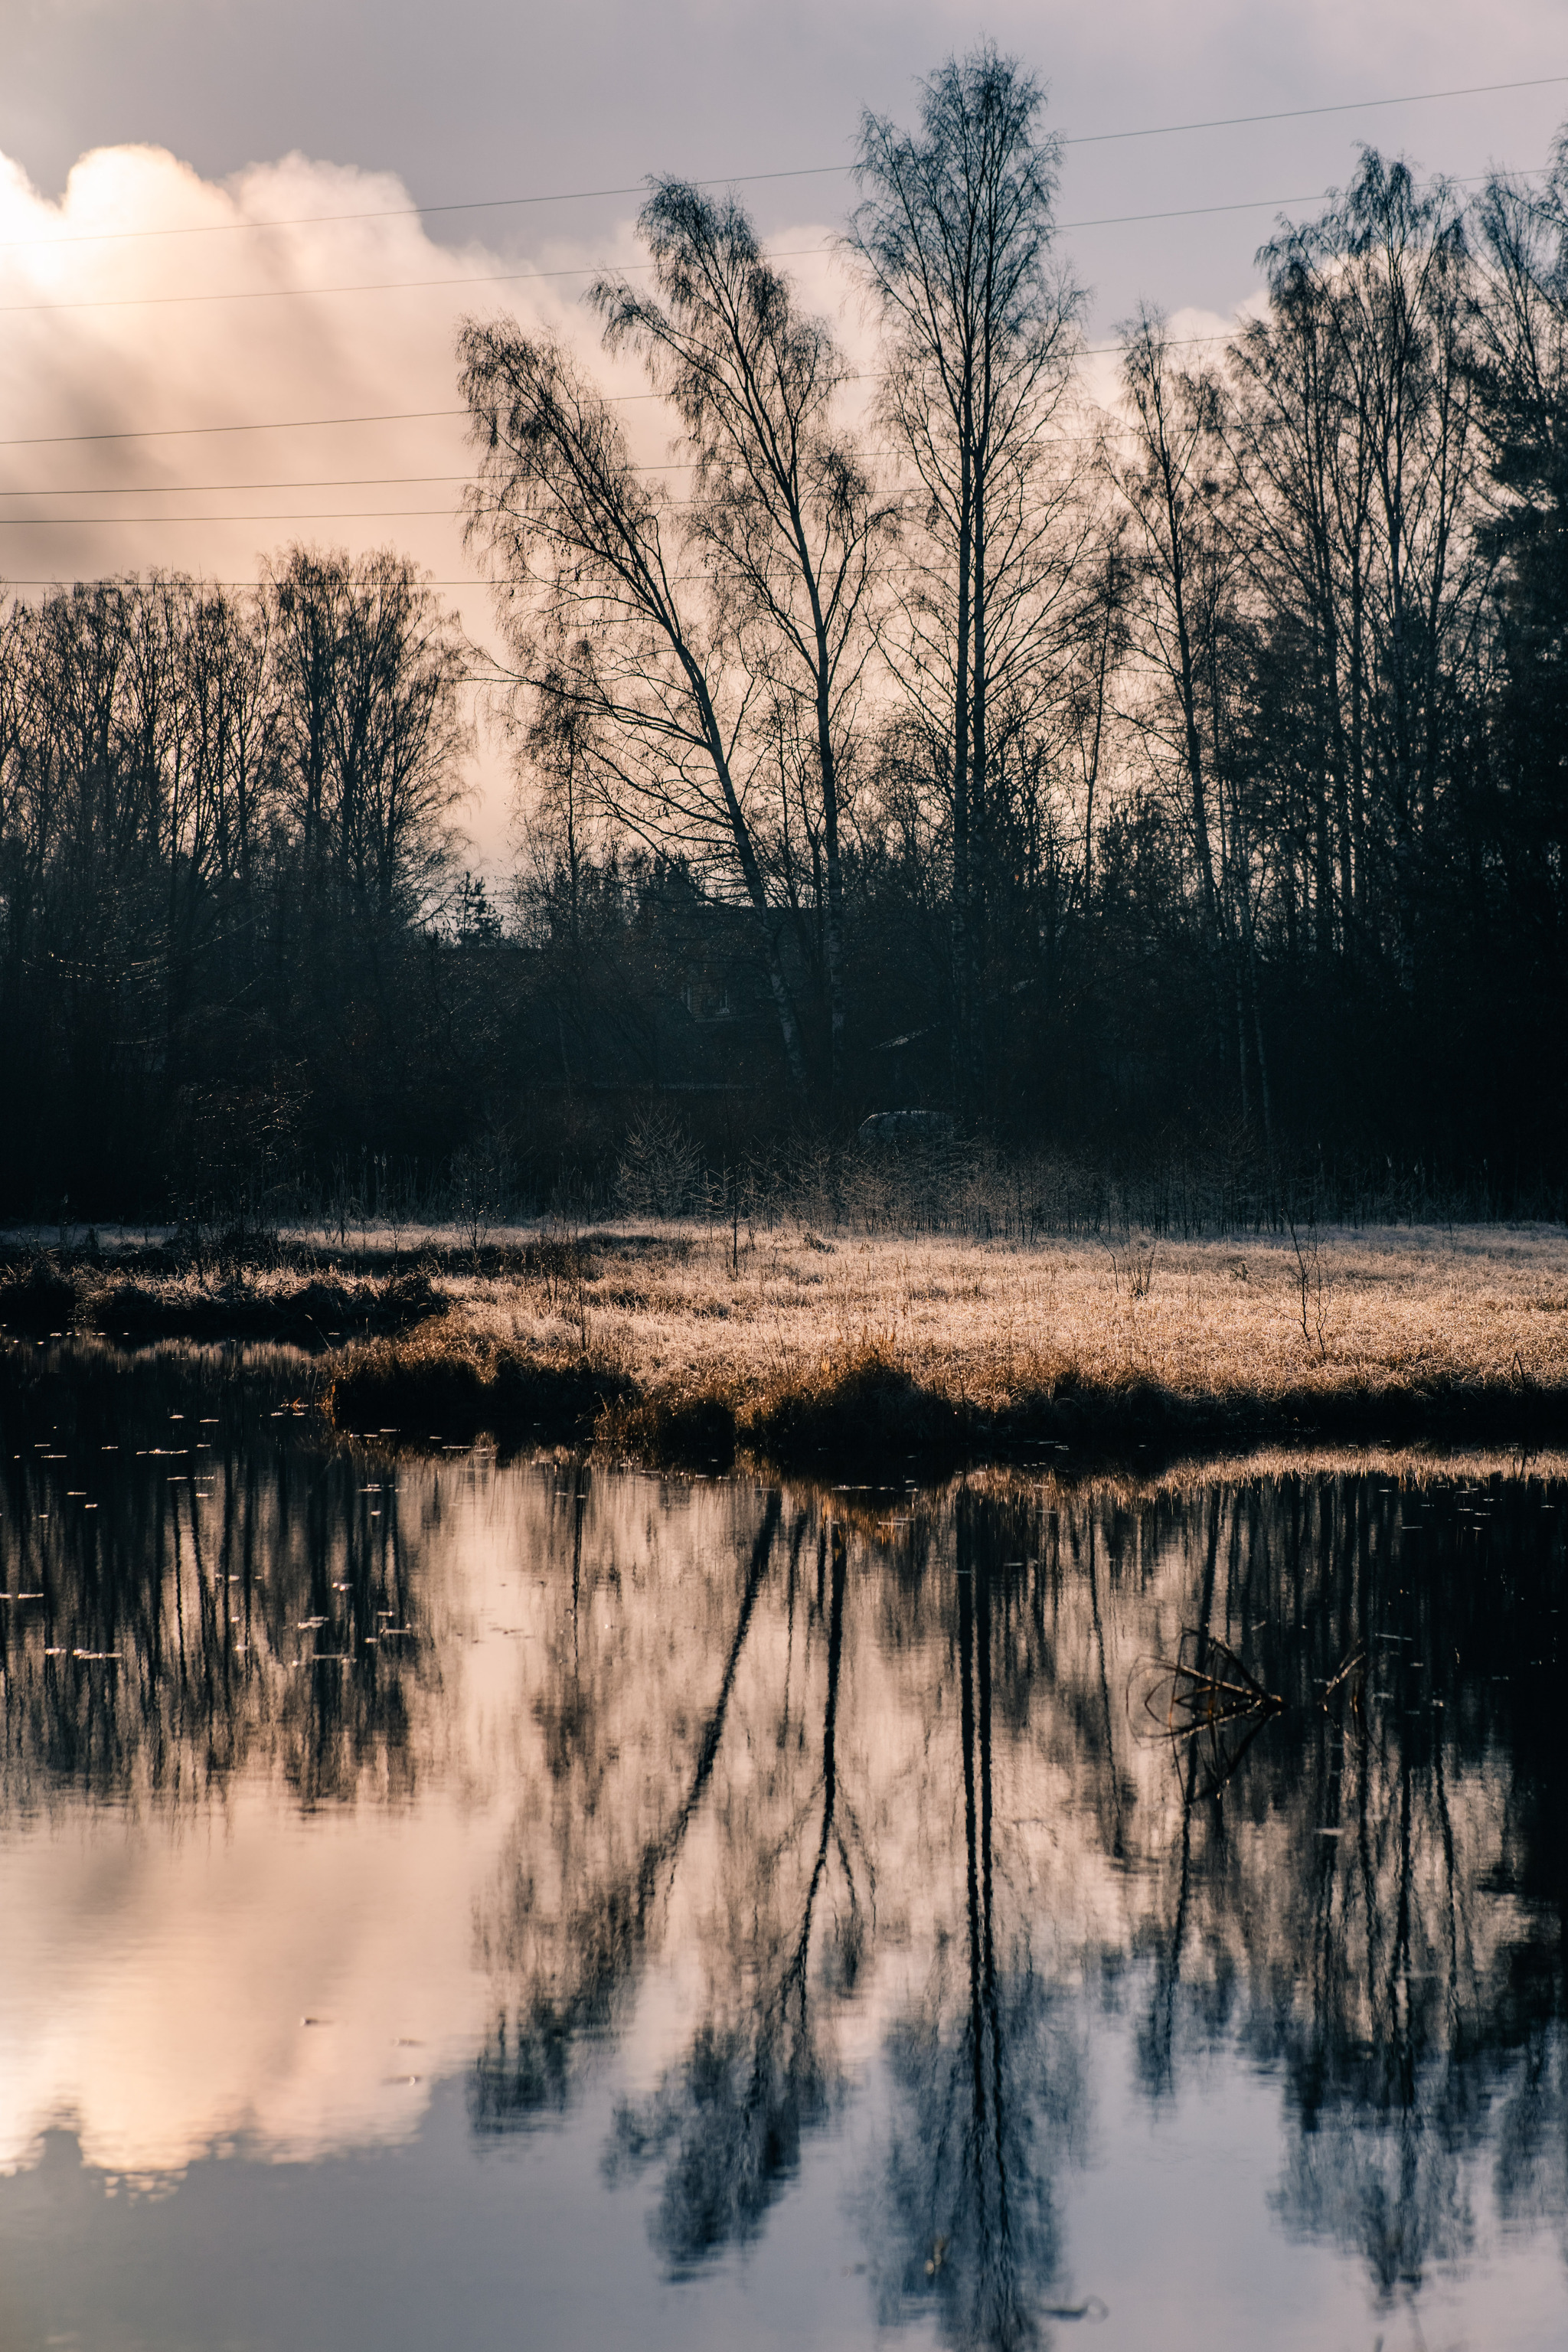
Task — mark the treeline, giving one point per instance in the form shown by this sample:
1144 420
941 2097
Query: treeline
1185 772
226 826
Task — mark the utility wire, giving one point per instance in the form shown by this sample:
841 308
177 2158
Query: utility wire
388 481
366 286
114 580
752 179
1300 113
263 425
592 268
324 514
474 579
414 416
402 415
322 482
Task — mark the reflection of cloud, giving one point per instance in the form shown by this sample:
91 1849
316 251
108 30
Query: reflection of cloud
155 1980
643 1715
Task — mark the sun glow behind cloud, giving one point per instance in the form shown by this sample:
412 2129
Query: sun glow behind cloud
279 373
195 375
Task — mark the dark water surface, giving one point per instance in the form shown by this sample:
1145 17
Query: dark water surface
453 1904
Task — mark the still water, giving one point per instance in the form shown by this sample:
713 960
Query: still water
454 1902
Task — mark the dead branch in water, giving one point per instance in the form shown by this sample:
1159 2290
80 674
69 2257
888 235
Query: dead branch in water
1206 1694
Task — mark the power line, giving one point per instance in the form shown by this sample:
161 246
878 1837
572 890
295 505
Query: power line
264 424
387 482
1248 205
321 482
366 286
750 179
418 211
403 416
384 482
276 424
1300 113
113 580
592 268
325 514
166 489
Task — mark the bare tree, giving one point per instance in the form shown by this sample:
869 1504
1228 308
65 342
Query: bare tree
1520 340
1355 456
1521 322
1406 316
785 509
559 748
1101 647
1168 486
370 670
955 236
232 712
581 551
1301 461
1188 630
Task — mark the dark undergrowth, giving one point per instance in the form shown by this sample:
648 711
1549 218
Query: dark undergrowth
446 1387
245 1285
156 1297
865 1414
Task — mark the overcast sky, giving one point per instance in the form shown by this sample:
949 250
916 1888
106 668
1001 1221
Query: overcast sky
480 98
306 107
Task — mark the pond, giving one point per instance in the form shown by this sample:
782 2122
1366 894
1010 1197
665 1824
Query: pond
454 1901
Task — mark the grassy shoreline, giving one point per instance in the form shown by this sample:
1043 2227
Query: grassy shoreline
673 1345
807 1353
873 1416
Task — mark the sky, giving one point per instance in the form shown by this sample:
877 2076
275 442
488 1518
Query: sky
141 139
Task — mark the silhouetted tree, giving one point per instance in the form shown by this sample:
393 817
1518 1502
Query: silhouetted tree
785 509
954 233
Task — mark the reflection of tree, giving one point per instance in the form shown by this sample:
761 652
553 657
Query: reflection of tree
728 2119
1330 1905
1531 2164
985 2066
569 1966
1317 1904
725 2124
180 1617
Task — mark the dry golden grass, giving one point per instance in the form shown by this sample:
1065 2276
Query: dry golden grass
144 1296
803 1340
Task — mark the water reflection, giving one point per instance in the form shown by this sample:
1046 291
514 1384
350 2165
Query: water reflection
985 2062
726 2122
191 1594
765 1839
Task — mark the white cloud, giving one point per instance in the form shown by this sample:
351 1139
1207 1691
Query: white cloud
150 302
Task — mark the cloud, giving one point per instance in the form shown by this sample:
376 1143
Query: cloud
151 302
278 370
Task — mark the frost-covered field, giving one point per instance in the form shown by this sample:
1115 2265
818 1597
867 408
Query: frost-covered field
1417 1306
1318 1327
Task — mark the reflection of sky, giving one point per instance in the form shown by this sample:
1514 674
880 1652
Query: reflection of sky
435 2241
154 1985
157 1960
